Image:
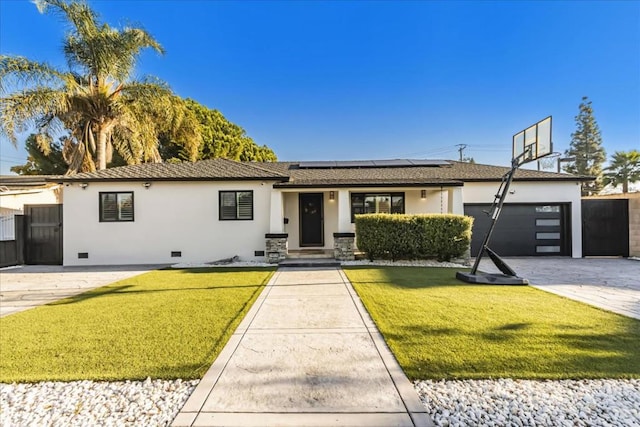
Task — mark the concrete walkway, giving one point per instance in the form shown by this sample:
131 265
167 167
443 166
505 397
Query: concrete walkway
609 283
306 354
29 286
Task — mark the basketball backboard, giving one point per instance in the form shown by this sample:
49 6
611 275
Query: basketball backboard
533 143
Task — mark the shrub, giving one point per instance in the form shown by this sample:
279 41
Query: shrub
423 236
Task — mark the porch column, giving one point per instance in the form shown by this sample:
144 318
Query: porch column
276 219
344 212
455 204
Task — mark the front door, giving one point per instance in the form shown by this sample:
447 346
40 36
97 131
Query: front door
311 219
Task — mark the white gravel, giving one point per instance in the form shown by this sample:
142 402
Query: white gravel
502 402
230 264
519 403
415 263
92 403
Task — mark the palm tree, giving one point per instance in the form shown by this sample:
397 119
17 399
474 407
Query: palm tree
623 169
95 101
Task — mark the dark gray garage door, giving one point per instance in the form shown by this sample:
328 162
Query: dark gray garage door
523 229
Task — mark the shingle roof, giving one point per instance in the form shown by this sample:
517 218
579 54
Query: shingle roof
204 170
454 174
291 175
25 182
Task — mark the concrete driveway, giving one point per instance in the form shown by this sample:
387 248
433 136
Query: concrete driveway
609 283
26 287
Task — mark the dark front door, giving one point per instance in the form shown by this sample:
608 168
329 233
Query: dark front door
311 219
605 227
43 225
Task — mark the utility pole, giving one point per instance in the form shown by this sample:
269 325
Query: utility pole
461 148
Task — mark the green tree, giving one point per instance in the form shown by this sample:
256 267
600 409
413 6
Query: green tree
586 148
96 100
39 163
623 169
220 138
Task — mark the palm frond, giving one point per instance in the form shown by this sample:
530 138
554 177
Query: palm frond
22 72
77 13
25 110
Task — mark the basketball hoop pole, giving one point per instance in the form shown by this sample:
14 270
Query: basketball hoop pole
495 212
528 145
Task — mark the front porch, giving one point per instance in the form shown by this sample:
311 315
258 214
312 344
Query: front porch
318 222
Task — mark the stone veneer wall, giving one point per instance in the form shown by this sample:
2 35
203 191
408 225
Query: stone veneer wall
634 227
343 246
277 247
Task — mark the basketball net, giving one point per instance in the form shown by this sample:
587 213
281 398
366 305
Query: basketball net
548 163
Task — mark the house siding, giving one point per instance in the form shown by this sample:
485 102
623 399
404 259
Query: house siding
169 216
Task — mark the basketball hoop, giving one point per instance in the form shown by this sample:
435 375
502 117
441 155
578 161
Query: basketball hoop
531 144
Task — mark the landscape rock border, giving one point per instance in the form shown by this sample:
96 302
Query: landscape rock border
508 402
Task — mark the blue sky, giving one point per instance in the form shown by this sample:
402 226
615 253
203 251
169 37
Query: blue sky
376 80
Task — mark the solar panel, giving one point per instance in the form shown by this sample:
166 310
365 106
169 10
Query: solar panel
392 163
385 163
355 164
321 164
428 162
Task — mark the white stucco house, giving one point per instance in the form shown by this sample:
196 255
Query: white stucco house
216 209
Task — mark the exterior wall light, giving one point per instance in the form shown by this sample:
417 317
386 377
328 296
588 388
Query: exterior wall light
146 185
423 194
332 195
84 185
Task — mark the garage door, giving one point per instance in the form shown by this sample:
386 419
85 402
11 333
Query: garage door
523 229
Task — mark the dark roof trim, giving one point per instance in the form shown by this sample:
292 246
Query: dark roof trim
26 179
370 184
533 179
166 179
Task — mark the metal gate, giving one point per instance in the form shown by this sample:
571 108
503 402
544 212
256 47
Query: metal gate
43 225
605 227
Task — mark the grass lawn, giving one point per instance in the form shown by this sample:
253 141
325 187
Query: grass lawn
441 328
163 324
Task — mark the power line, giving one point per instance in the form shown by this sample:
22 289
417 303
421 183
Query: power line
461 148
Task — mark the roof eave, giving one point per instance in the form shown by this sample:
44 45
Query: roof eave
533 179
370 184
167 179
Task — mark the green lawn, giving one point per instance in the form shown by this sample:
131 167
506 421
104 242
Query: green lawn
163 324
441 328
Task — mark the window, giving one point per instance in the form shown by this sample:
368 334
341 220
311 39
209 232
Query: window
544 209
547 222
116 206
548 236
547 249
236 205
390 203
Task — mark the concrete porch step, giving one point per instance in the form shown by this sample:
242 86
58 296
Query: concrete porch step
309 262
310 254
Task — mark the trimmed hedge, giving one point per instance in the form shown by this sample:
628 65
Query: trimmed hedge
423 236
